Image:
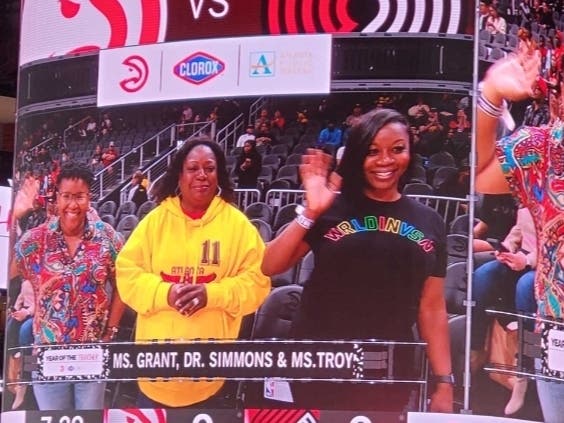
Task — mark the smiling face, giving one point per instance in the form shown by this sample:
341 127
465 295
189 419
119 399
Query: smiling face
73 201
387 160
198 179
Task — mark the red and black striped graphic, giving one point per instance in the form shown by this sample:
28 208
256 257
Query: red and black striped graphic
333 16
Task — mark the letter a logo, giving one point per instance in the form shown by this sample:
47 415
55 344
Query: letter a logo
262 64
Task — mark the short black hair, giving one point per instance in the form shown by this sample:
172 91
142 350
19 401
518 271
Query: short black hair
359 140
167 186
75 170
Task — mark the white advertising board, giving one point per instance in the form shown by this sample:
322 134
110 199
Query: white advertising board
225 67
5 205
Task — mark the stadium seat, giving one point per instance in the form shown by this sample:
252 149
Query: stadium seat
126 224
305 268
457 248
266 174
289 172
280 184
459 224
271 160
417 188
263 228
107 207
145 208
294 159
456 284
127 207
259 210
274 317
284 215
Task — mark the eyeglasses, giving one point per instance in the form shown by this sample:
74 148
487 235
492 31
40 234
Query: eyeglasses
80 198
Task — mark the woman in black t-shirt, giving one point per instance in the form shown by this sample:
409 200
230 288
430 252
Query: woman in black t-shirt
380 262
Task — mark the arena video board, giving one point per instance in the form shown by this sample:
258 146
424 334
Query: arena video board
144 28
75 26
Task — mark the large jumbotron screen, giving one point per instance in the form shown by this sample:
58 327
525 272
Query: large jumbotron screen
117 87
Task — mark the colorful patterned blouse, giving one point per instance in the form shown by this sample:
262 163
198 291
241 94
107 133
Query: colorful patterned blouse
72 294
533 162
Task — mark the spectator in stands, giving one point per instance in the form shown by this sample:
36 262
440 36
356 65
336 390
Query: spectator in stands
106 125
330 137
432 134
96 158
418 112
505 282
352 240
302 120
537 113
53 256
339 155
530 164
354 117
249 135
43 156
264 136
91 128
278 122
19 333
248 166
214 115
484 13
525 12
138 191
199 291
263 119
82 134
495 23
187 114
545 18
110 155
496 216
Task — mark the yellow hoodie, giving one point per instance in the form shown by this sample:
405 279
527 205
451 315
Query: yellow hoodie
223 250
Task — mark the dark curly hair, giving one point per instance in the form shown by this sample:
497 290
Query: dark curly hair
74 170
168 184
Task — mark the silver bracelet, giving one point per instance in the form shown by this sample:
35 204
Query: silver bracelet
489 108
304 222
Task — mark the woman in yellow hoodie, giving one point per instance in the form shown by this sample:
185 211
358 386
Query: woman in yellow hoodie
191 268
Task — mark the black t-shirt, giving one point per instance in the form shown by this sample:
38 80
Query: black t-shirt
371 261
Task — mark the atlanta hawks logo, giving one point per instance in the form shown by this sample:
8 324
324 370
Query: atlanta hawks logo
56 28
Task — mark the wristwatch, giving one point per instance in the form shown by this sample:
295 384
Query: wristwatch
443 379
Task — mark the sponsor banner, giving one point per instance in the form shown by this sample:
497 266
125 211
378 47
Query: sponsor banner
239 360
226 67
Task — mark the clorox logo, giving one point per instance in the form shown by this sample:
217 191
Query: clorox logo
198 68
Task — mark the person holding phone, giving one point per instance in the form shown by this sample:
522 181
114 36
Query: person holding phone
510 277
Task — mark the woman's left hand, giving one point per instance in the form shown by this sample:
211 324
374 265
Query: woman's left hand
190 298
441 400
